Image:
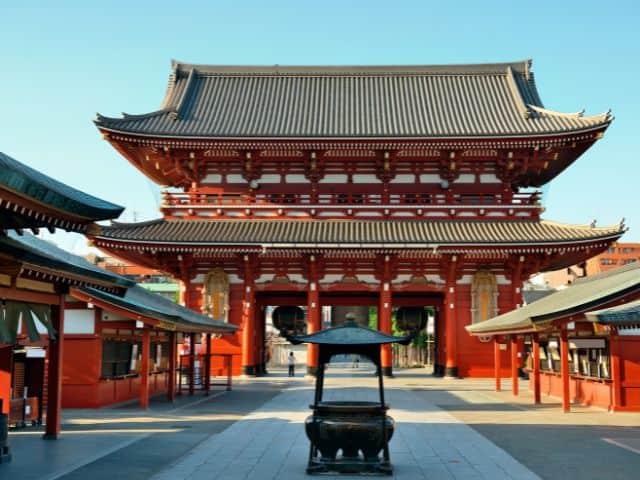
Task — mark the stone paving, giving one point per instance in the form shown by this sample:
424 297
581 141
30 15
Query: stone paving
270 443
452 429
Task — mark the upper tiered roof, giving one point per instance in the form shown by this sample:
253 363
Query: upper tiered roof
430 101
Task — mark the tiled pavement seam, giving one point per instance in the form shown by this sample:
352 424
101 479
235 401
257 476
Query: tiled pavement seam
271 443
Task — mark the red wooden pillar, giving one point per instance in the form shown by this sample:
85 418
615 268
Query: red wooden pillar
496 363
314 321
259 341
535 359
6 354
248 320
207 365
192 363
516 301
144 368
616 372
173 353
54 387
564 369
514 365
451 337
384 317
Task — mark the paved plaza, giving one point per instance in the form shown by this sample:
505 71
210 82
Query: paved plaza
446 429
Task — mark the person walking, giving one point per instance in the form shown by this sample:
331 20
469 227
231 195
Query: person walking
292 365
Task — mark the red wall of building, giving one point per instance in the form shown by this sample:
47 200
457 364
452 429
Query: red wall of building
230 344
81 383
596 393
475 357
81 365
630 372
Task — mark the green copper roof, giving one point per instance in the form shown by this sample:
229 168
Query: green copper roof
140 301
583 295
26 182
32 250
627 314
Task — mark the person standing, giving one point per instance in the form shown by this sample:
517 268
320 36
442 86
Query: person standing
292 364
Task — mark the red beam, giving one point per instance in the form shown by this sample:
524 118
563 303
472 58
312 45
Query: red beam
13 293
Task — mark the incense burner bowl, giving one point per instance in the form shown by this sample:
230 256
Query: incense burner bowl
351 427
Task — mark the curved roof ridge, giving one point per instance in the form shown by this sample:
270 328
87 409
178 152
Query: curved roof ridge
522 67
517 94
137 224
128 116
602 117
618 227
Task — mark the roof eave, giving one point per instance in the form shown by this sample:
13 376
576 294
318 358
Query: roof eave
190 138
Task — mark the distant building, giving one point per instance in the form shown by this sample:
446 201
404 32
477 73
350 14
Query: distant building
616 255
148 278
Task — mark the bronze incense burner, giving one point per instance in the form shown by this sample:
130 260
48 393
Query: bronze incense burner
349 437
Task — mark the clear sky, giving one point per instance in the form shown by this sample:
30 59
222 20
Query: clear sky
64 61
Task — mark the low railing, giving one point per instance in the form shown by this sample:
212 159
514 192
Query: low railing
346 205
197 376
199 200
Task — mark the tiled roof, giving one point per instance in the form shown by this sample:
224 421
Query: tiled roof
31 184
492 100
627 314
372 233
582 295
32 250
530 296
139 300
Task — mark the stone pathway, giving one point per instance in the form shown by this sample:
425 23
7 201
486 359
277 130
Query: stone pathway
270 443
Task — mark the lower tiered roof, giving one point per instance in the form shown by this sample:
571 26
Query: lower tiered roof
354 233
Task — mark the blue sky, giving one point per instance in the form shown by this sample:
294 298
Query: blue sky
65 61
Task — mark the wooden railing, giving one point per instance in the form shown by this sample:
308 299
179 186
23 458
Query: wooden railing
360 205
190 200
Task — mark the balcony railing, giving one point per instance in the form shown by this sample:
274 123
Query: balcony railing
199 200
352 205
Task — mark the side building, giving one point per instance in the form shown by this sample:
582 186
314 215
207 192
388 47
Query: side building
381 186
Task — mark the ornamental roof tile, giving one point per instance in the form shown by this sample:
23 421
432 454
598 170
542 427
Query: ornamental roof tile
431 101
23 181
583 295
354 233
